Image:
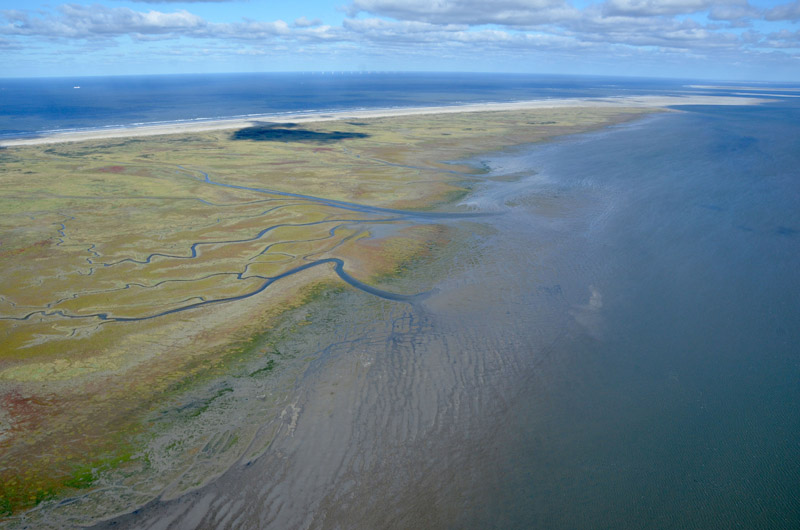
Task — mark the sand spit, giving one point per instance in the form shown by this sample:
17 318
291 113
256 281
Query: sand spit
238 123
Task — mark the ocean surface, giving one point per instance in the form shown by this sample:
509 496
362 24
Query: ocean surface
35 106
618 348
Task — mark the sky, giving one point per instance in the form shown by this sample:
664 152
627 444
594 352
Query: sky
688 39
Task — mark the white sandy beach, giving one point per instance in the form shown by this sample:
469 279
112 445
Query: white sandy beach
239 123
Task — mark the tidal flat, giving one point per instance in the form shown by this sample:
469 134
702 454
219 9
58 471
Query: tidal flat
152 286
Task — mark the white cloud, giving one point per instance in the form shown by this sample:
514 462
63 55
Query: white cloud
303 22
734 12
417 22
472 12
782 39
669 35
528 13
632 23
659 32
6 44
99 22
789 11
76 21
440 29
381 26
248 30
647 8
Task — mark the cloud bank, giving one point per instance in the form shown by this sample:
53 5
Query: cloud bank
636 31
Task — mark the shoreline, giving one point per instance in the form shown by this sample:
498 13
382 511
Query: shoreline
240 123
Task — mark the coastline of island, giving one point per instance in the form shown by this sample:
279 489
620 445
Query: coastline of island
225 124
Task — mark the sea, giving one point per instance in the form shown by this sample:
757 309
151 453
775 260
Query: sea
30 107
617 348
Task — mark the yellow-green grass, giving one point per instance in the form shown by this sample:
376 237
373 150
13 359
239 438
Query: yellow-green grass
80 221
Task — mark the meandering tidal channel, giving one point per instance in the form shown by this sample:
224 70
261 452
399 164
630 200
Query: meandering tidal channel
398 216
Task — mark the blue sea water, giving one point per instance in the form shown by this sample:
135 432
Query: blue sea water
35 106
672 399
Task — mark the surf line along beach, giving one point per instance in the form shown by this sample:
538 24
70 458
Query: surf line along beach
238 123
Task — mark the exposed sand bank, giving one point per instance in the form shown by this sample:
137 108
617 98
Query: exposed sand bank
224 124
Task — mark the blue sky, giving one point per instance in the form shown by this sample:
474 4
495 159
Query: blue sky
709 39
